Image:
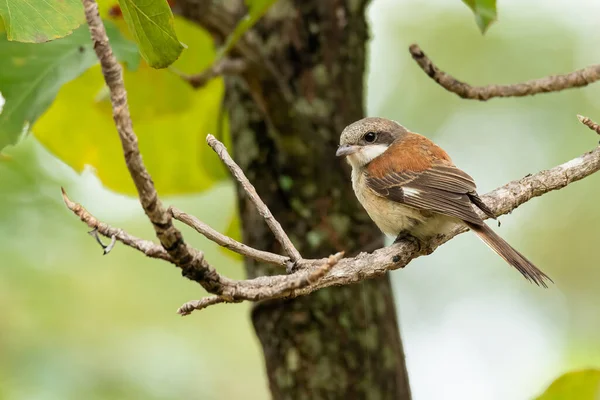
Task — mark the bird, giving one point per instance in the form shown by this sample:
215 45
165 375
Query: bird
411 189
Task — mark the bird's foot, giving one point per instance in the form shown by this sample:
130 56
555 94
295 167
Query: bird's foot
406 235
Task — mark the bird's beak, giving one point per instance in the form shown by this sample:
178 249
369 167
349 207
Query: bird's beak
346 149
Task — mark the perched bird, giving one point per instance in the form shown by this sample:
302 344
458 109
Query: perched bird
409 186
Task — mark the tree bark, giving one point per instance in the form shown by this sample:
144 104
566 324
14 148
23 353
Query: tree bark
342 342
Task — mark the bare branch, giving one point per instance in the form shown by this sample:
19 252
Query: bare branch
226 241
197 269
190 306
589 123
226 66
145 246
282 289
553 83
280 235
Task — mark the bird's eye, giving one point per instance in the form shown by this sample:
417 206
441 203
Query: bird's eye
370 137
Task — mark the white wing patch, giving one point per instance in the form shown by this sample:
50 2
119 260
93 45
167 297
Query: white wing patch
410 191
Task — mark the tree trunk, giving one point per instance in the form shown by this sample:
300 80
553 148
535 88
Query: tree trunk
343 342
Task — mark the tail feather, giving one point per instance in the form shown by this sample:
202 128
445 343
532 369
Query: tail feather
510 255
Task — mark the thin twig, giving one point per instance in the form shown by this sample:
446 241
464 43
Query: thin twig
190 306
223 67
226 241
145 246
310 277
283 289
553 83
280 235
589 123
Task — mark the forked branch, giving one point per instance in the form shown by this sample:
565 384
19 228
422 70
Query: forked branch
274 225
226 241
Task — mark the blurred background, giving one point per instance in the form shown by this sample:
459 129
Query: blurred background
76 324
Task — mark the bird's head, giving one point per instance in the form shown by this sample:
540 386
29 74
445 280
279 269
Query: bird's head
368 138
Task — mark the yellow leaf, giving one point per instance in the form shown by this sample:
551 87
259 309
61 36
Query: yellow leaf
170 119
579 385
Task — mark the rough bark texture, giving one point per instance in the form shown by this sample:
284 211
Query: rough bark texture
340 342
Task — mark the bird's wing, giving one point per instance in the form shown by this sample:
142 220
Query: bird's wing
442 188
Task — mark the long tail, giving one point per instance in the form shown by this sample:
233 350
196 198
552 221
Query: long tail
509 254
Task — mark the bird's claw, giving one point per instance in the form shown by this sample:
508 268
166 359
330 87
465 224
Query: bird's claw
406 236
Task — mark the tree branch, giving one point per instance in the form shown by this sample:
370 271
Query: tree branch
226 241
589 123
280 235
150 249
282 289
192 305
553 83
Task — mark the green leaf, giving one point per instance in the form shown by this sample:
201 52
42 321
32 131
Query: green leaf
256 9
171 121
151 23
32 74
485 12
580 385
40 20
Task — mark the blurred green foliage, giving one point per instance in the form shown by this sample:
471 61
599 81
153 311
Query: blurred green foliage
40 21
